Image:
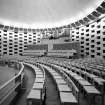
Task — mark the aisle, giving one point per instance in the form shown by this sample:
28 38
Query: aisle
30 78
51 92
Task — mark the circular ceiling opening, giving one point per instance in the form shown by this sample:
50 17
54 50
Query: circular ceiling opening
45 12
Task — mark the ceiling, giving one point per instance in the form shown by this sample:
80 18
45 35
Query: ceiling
47 13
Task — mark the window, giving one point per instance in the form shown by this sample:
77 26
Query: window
82 33
98 32
15 52
4 53
98 48
103 39
92 56
87 34
87 44
15 45
103 51
92 31
87 30
92 36
92 46
98 54
10 40
4 48
5 41
92 41
92 51
15 49
98 37
10 50
98 26
15 35
87 48
5 30
77 32
98 43
87 39
82 50
10 43
77 36
82 29
104 57
82 46
87 53
92 26
5 34
82 38
103 45
82 42
103 27
10 47
103 33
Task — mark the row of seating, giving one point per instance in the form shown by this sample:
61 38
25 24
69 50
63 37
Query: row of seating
82 78
87 79
62 53
65 88
37 93
97 81
34 53
84 86
91 69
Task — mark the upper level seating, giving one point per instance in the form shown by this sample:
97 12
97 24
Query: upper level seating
66 46
34 52
37 47
62 53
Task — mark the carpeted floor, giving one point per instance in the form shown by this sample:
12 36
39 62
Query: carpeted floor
52 97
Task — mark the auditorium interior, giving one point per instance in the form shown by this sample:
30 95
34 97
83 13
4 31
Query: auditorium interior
52 52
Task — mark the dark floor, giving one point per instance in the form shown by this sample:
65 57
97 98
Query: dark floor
29 78
52 97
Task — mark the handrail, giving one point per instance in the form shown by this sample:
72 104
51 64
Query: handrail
10 86
13 77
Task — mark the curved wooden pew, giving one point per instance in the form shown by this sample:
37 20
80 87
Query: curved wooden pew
37 93
65 92
86 88
95 80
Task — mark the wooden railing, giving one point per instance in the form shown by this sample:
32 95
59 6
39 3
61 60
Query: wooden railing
10 89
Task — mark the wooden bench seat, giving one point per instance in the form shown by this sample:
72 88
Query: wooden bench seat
38 86
62 85
64 88
60 81
39 80
39 72
67 98
34 97
39 76
57 77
